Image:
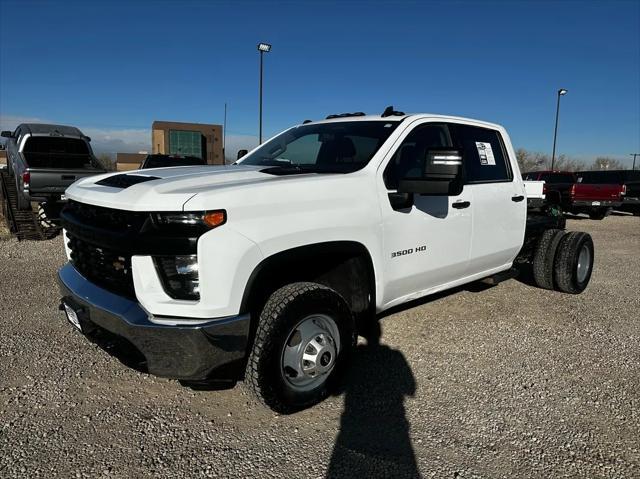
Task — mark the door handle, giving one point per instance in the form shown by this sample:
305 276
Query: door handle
461 204
517 199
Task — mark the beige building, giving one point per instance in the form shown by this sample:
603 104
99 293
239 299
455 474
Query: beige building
176 138
188 139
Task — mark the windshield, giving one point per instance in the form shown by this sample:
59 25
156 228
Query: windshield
57 152
340 147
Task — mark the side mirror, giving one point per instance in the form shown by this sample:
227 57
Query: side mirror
241 153
7 134
440 174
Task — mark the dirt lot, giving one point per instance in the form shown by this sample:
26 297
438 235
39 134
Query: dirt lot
505 382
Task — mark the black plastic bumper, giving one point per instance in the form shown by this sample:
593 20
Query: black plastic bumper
186 352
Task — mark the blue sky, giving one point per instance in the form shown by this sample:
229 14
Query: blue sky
114 67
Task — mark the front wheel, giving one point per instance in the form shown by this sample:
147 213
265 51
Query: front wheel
304 336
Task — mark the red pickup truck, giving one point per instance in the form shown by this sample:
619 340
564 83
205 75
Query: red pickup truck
565 189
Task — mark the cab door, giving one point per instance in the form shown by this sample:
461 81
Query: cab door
426 239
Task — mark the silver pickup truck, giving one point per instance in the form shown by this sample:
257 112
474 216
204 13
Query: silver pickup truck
43 160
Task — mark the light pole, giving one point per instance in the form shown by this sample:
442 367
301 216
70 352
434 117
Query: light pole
224 135
633 168
561 92
262 48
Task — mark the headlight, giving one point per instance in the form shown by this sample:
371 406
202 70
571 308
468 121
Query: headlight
179 275
199 219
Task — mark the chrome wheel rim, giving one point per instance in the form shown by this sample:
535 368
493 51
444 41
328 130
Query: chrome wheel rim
584 263
310 352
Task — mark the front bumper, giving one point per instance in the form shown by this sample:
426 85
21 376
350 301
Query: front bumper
170 347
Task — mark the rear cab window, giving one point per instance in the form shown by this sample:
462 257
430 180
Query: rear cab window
57 152
600 177
560 178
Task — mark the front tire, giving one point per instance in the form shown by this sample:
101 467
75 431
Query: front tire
574 262
304 337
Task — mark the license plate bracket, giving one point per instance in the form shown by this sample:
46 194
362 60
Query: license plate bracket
72 316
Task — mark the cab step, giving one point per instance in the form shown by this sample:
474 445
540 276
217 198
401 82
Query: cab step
500 277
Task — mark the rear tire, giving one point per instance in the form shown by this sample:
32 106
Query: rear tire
543 258
304 337
599 213
574 262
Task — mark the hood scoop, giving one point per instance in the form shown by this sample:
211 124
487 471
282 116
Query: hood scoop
125 180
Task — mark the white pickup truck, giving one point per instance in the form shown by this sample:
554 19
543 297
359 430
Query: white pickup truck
268 269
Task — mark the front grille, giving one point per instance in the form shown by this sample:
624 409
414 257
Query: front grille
106 268
105 218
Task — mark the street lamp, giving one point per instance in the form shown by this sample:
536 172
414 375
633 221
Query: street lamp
633 168
561 92
262 48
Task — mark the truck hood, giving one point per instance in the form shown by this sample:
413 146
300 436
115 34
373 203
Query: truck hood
167 189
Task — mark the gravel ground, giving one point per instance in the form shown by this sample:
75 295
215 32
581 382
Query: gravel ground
509 381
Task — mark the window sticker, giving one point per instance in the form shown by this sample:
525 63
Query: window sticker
486 153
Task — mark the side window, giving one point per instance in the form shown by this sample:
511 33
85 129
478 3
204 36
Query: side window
411 154
484 154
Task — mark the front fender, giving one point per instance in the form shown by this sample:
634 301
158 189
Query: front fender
226 259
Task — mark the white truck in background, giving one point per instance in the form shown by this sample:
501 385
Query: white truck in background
267 270
535 194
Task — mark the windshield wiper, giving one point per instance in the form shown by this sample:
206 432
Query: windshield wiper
299 169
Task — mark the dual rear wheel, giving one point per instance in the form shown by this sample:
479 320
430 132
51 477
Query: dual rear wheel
563 261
